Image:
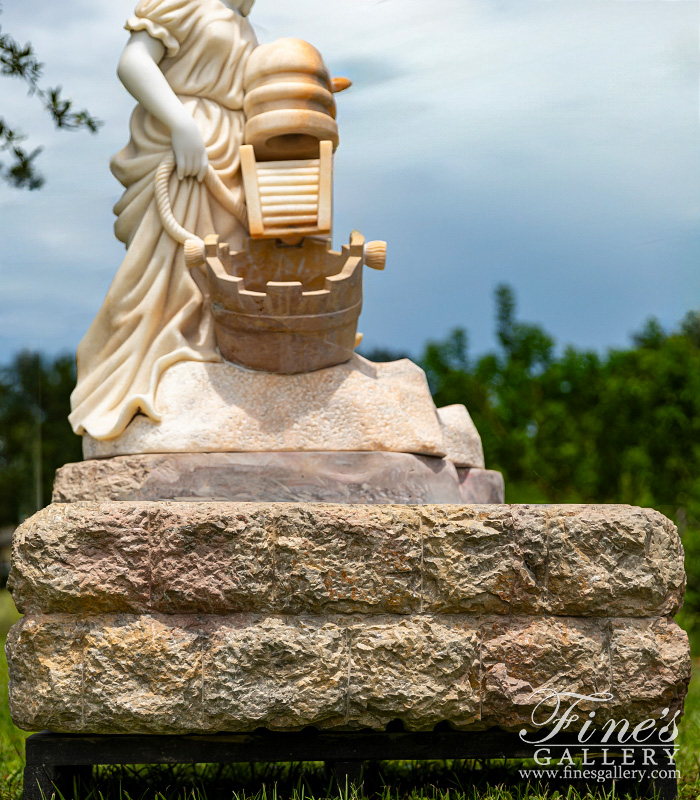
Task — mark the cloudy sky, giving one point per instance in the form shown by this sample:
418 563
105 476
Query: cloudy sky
551 144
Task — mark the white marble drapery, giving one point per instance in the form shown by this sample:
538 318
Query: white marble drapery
156 312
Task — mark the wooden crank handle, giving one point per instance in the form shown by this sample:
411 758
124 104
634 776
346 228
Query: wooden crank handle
193 245
340 84
375 255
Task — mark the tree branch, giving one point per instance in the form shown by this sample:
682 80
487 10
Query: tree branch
20 61
21 172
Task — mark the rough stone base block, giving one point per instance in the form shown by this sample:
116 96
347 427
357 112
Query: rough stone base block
176 617
353 478
224 558
197 674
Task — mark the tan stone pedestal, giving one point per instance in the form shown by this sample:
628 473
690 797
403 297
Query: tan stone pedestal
177 617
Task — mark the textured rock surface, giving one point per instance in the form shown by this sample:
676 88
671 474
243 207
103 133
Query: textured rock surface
358 406
522 655
564 560
596 553
582 656
644 656
462 440
366 478
224 558
421 669
481 486
154 674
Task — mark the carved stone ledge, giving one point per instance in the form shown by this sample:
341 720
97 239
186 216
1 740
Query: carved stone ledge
354 478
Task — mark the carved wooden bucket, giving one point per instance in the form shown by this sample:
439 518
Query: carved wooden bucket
288 309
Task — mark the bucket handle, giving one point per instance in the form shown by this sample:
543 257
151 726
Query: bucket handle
193 245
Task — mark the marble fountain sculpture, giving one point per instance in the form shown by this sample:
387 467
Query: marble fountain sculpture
269 530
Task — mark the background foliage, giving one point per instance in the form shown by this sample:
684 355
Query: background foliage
35 438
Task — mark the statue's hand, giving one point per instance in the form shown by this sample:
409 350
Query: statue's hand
190 151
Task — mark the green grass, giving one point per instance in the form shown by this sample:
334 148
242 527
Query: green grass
385 781
8 613
11 738
689 741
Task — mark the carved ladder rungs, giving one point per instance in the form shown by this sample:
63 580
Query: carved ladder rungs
289 198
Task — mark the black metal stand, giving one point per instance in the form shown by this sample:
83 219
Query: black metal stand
56 761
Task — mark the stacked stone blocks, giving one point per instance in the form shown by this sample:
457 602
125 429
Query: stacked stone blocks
177 617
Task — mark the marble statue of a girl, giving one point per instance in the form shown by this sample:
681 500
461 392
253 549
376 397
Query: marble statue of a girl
184 65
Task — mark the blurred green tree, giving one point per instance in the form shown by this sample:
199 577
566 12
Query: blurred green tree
579 426
35 437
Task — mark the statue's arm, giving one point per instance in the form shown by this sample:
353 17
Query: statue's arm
138 70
